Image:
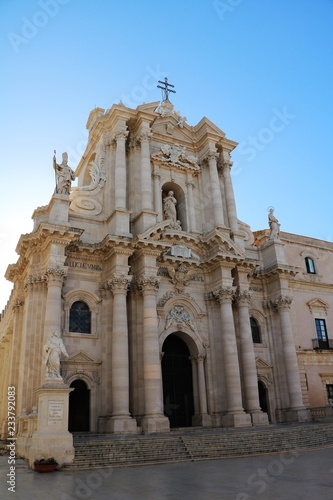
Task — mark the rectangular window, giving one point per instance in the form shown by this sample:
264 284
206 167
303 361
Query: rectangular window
321 333
329 388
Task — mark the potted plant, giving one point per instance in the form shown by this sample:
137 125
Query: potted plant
45 464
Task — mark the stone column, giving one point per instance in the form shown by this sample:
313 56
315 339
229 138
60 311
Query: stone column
195 386
157 194
250 378
146 201
230 197
121 421
215 190
53 311
235 416
297 410
191 207
153 420
202 384
120 170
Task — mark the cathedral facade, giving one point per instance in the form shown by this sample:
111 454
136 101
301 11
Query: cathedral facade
170 312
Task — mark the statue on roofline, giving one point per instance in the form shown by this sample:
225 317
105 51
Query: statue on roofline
64 175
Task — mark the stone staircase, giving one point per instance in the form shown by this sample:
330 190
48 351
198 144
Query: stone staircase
94 451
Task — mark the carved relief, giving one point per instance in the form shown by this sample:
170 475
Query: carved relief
86 198
176 155
177 316
181 275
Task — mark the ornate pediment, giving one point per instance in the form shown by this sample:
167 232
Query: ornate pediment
261 363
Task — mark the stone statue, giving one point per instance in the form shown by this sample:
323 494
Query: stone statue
169 207
64 175
54 348
273 225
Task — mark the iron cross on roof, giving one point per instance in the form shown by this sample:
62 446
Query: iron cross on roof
165 89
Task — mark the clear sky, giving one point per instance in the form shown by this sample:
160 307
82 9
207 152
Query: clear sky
260 70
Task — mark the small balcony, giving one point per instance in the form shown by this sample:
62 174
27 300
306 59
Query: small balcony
322 345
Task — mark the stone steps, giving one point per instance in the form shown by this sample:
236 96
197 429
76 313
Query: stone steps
106 450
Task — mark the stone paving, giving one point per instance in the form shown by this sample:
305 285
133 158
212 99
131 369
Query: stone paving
287 475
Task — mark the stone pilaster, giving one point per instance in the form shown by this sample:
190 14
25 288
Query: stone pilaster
154 419
297 411
250 378
202 418
215 190
120 169
235 416
191 207
230 197
157 193
146 201
121 421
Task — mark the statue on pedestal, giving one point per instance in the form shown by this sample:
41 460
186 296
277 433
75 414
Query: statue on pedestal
54 348
64 175
273 225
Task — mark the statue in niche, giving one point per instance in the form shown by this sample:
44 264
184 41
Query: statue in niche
273 225
64 175
54 348
169 210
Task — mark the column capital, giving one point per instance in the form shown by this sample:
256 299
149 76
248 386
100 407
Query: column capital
243 296
120 135
119 283
224 293
148 284
282 302
34 283
55 275
212 155
144 135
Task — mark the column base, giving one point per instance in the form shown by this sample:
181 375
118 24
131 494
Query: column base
259 418
122 425
155 423
297 415
203 420
241 419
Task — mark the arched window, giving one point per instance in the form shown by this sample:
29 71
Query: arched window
80 318
255 329
310 266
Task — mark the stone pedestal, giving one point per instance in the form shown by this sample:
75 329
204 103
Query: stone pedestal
297 415
145 220
240 419
58 209
273 253
52 438
118 224
155 423
122 425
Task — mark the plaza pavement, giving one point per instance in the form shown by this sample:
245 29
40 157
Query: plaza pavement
288 476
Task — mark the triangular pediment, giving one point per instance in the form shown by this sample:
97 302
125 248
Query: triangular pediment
261 363
318 304
80 357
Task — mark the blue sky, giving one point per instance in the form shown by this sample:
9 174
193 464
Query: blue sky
260 70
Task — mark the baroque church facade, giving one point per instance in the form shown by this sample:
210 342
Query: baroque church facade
171 312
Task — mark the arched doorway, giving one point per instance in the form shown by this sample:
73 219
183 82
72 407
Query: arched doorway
177 382
263 398
79 407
